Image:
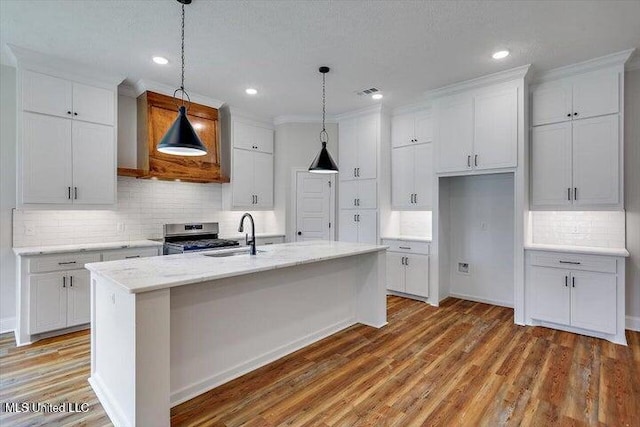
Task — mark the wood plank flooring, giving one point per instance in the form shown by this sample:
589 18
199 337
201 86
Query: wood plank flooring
464 364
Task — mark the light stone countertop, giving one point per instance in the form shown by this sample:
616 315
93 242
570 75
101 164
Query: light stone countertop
408 238
588 250
81 247
149 274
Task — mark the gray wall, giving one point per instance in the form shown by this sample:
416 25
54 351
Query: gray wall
7 195
632 189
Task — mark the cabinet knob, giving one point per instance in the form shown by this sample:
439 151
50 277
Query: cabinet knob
299 233
568 114
75 114
68 112
575 114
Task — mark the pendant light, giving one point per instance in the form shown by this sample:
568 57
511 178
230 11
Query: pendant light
181 139
323 163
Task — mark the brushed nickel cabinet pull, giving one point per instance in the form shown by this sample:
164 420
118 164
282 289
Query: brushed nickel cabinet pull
569 194
469 161
475 160
566 281
71 281
67 262
573 282
404 247
75 193
570 262
64 281
575 193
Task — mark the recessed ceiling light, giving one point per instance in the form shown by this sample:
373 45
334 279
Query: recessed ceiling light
251 91
376 96
160 60
500 54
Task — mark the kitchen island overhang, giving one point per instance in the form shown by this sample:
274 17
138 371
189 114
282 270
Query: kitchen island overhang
167 329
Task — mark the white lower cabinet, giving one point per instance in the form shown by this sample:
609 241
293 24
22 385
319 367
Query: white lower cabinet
579 293
408 267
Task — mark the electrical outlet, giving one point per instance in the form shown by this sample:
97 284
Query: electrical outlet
120 227
483 226
29 230
463 268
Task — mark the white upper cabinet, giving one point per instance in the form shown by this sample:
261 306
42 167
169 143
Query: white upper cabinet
586 95
360 194
454 133
423 125
263 179
412 128
358 148
496 129
251 137
358 226
46 94
93 104
423 176
551 165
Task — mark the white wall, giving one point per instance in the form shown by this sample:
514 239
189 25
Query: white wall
632 189
127 132
296 146
7 194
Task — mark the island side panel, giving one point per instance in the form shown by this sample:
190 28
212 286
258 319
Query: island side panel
371 300
223 329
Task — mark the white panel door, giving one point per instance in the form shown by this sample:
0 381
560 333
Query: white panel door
368 226
243 136
263 139
242 178
46 94
47 302
313 199
423 176
593 301
348 223
46 159
94 163
551 165
550 294
94 104
349 195
395 272
595 94
596 161
367 194
454 134
423 127
417 275
263 179
495 140
78 297
348 149
551 103
367 147
402 130
402 176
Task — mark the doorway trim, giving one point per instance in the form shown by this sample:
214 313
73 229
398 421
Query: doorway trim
294 203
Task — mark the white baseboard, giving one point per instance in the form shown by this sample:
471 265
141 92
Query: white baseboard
109 404
633 323
196 389
483 300
8 324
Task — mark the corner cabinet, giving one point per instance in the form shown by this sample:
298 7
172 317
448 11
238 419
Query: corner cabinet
66 142
577 293
249 159
408 268
576 142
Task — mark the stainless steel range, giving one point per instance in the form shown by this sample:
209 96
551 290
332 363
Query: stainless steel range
193 237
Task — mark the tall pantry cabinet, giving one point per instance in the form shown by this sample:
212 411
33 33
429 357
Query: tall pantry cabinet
363 188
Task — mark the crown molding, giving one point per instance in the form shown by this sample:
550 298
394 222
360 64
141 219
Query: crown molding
633 64
499 77
380 108
421 105
236 113
125 89
144 85
618 58
302 118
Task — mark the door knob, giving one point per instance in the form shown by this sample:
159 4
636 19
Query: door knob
299 233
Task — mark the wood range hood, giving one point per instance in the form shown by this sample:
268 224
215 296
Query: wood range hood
156 113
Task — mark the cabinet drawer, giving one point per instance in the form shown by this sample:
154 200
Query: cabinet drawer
269 240
408 247
129 253
574 261
59 262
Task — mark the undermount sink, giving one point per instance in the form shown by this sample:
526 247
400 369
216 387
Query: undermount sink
228 254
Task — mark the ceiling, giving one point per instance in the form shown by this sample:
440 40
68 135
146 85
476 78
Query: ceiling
402 47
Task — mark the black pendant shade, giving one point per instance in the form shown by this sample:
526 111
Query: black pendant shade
181 139
323 163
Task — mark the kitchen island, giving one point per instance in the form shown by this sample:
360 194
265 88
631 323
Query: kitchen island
166 329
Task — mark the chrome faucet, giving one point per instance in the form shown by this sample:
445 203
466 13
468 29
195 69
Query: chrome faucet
251 242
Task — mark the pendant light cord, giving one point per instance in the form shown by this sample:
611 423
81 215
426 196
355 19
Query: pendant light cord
324 137
183 92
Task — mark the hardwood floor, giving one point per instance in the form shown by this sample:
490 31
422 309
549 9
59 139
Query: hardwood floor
464 363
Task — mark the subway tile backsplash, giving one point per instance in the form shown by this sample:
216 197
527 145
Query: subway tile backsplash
415 223
605 229
143 207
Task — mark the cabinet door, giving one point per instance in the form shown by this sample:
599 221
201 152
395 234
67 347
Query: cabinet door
551 103
417 275
368 226
367 147
367 194
551 165
46 159
402 176
263 139
94 104
349 195
348 149
402 130
454 134
78 297
242 178
47 302
243 136
263 179
596 161
46 94
550 294
423 175
395 272
94 164
495 141
423 124
593 301
595 94
348 226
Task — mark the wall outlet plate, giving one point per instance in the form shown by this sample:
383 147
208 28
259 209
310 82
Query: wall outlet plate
463 267
29 230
